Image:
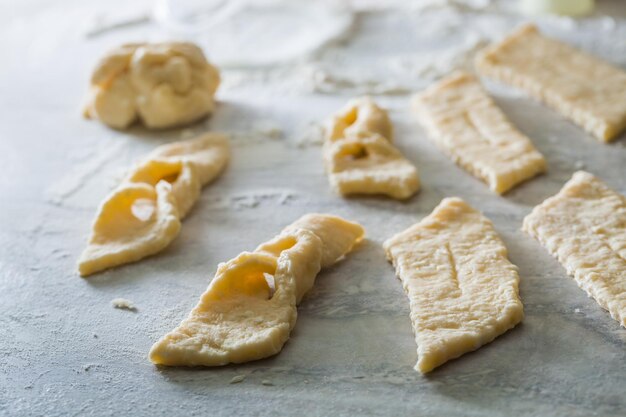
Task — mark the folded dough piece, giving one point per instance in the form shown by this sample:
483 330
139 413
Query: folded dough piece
135 221
466 124
188 165
583 88
584 227
358 116
128 227
359 157
162 84
238 319
462 289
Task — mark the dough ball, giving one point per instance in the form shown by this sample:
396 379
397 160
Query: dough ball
160 84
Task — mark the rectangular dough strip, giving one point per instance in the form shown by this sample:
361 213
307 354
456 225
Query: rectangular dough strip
462 289
584 227
468 126
583 88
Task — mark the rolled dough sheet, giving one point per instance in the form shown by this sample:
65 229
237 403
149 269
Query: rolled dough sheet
462 289
584 227
583 88
466 124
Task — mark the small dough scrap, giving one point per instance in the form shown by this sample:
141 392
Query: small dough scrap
359 157
583 88
465 123
584 227
135 221
122 229
238 319
123 304
162 84
462 289
359 115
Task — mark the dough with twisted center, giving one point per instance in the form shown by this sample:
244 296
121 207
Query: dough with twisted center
238 319
584 227
162 84
583 88
142 216
462 289
359 156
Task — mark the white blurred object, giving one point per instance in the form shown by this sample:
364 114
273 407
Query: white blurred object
560 7
252 33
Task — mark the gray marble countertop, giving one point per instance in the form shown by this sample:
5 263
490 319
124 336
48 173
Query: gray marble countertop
65 351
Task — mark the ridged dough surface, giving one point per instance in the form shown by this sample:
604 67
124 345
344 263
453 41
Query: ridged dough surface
462 289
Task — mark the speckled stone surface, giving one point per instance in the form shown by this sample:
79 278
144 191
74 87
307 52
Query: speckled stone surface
64 350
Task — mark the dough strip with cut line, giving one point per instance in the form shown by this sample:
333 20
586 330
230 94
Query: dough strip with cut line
462 289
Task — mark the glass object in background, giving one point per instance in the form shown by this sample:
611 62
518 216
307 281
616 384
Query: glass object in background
253 33
561 7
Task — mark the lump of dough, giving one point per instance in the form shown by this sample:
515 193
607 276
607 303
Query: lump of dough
135 221
162 84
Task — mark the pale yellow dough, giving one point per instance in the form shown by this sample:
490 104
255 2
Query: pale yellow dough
238 319
119 236
583 88
142 216
358 116
584 227
466 124
162 84
359 157
188 165
462 289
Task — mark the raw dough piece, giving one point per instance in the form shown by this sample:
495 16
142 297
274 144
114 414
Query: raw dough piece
359 157
188 165
123 304
586 90
238 319
466 124
135 221
163 84
584 227
462 289
143 215
360 115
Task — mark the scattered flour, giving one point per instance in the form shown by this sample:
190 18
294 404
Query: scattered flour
431 66
74 180
325 82
259 132
252 199
458 5
312 134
